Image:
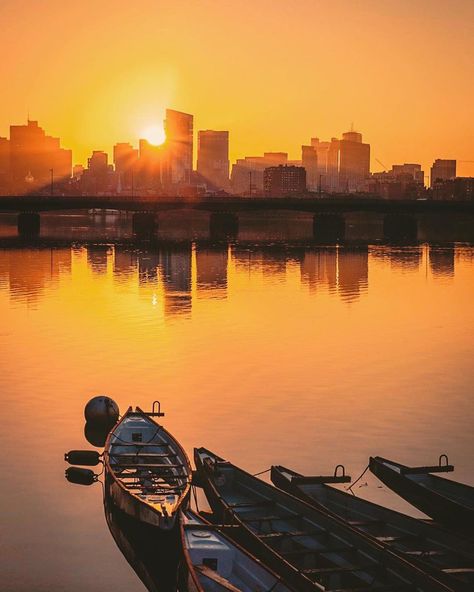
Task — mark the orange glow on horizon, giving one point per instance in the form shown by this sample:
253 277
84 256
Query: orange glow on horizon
271 74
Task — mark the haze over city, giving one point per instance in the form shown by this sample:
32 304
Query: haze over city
272 73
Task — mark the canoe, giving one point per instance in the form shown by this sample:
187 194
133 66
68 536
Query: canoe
148 474
213 563
444 500
449 557
307 547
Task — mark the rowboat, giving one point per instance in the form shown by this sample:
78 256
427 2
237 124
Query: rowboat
307 547
447 501
148 474
213 563
449 557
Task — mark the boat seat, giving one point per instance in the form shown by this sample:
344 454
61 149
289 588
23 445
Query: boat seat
140 454
140 444
294 533
316 552
215 577
272 517
338 569
116 466
255 504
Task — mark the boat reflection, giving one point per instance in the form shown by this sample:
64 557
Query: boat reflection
152 554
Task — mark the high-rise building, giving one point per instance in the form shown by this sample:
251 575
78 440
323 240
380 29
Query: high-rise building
442 170
34 156
125 161
283 180
327 154
4 163
179 147
213 157
354 162
247 173
309 161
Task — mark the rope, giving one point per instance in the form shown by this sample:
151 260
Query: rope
358 479
262 472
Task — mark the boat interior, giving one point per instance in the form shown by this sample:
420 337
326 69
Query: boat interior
220 565
324 553
147 462
417 540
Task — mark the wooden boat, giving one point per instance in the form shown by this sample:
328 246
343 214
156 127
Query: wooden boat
444 500
213 563
449 557
148 474
310 549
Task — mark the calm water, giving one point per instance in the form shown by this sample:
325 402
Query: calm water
273 352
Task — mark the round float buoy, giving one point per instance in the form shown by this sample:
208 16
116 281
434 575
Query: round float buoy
96 434
101 410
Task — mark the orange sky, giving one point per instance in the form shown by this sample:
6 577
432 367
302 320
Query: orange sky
274 73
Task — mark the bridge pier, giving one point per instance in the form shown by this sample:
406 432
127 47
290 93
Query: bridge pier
400 228
29 224
329 228
144 224
223 226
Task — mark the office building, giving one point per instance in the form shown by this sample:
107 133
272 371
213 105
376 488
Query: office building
35 157
442 170
279 181
213 158
178 147
309 161
354 162
125 163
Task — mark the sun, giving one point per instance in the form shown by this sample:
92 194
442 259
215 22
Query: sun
155 134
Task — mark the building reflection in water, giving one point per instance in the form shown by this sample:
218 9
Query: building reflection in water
28 272
405 259
338 269
441 261
176 266
211 271
170 269
97 258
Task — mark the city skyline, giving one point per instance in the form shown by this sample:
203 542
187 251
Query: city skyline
313 69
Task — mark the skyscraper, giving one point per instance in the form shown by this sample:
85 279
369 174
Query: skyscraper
213 157
179 147
327 154
442 170
354 162
33 155
125 161
309 161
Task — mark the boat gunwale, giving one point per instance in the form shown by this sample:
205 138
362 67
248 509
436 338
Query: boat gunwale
187 488
385 463
427 579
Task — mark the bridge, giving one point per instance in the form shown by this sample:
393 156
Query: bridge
397 219
342 203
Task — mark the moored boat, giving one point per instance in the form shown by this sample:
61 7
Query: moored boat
214 563
309 548
148 474
448 556
446 501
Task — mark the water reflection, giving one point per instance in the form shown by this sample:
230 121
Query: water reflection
179 272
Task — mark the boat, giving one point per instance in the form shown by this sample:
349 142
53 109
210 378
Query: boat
212 562
448 556
147 472
444 500
309 548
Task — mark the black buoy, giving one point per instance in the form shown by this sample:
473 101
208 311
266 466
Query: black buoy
89 458
81 476
96 434
101 410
